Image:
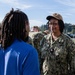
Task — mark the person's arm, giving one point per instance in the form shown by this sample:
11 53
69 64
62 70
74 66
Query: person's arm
44 49
71 56
31 64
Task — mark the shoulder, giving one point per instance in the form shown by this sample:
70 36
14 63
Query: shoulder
46 38
35 34
25 50
38 36
67 38
69 42
23 47
31 34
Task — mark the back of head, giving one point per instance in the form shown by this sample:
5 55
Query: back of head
13 27
36 29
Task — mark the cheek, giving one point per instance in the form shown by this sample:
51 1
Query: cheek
27 28
49 26
58 27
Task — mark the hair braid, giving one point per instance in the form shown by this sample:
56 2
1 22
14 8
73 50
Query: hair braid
13 27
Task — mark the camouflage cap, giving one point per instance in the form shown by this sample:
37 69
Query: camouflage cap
56 16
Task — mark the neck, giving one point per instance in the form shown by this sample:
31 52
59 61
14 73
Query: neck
56 35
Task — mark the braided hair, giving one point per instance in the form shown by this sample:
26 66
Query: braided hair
14 27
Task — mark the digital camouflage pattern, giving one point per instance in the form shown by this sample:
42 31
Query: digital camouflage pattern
36 37
60 59
30 41
36 40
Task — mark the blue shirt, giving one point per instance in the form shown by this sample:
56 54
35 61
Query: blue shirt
19 59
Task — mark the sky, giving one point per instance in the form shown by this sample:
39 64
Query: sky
38 10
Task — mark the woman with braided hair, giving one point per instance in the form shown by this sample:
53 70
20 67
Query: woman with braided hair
16 56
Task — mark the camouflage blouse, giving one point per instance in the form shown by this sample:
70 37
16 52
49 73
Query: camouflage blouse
60 58
30 41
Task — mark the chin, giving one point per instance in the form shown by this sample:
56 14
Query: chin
54 30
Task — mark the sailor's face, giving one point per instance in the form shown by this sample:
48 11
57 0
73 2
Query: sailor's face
54 26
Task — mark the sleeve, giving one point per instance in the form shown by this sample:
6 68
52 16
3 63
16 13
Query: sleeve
44 47
44 53
31 64
71 56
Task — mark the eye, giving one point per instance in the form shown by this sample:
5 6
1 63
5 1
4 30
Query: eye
53 23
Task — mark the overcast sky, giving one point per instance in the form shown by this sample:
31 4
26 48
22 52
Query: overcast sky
38 10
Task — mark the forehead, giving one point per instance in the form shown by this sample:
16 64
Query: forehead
53 20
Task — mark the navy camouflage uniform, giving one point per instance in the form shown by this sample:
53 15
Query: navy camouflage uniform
37 37
60 59
30 41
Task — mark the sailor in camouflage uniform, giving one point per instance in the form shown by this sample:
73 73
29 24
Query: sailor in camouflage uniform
30 41
57 49
36 37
